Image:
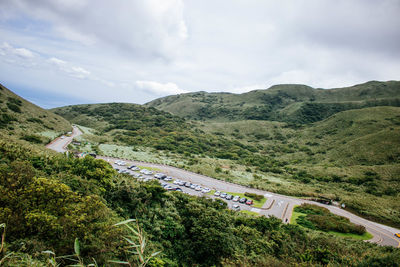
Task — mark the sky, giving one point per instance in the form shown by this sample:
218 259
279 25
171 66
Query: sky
62 52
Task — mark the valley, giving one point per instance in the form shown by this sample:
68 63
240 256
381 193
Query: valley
50 199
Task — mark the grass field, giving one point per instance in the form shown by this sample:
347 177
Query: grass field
250 212
365 236
50 134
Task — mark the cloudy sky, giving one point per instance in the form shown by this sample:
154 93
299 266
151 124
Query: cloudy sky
59 52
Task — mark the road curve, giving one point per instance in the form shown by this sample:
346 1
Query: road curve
60 143
277 205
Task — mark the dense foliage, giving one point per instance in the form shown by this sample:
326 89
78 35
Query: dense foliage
47 201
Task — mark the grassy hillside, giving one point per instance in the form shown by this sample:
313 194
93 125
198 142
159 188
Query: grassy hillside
22 119
287 103
136 125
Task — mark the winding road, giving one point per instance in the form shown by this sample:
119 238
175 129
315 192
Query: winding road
277 205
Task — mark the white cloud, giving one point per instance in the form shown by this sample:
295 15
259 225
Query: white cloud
23 52
57 61
6 48
73 71
159 88
144 29
207 45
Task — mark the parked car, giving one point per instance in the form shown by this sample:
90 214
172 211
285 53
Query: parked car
223 195
236 198
168 178
135 169
176 182
120 163
181 183
228 197
178 189
146 172
193 186
217 193
249 202
236 207
136 175
188 184
169 187
130 167
206 190
243 200
160 175
123 171
198 188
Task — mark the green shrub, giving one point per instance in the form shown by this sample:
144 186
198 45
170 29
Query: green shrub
14 107
32 138
254 196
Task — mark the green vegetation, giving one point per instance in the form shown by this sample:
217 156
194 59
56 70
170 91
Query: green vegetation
252 213
67 206
365 236
296 104
349 157
320 218
22 119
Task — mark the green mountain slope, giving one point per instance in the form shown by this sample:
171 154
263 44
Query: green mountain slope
288 103
136 125
352 153
22 119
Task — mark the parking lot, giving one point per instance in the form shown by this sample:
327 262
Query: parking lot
170 183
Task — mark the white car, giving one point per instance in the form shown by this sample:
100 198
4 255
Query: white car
199 188
176 182
206 190
120 163
236 198
236 207
217 193
146 172
168 178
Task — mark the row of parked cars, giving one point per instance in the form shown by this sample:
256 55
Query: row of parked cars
233 198
196 187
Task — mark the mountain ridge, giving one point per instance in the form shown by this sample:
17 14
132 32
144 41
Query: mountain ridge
285 102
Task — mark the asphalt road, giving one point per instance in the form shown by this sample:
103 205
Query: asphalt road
277 205
59 144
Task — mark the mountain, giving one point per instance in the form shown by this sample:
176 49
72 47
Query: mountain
22 119
287 102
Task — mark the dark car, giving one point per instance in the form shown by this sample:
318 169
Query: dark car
228 197
178 189
130 167
249 202
243 200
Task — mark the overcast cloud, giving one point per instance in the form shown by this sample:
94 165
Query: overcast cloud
136 51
